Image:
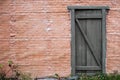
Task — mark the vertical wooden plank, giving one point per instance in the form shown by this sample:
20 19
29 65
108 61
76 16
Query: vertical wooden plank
73 51
103 40
80 46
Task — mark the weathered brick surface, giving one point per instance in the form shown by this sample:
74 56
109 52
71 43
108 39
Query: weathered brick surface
36 34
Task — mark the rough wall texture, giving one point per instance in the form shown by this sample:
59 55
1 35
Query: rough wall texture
36 34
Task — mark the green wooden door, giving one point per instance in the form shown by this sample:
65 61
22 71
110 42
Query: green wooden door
88 39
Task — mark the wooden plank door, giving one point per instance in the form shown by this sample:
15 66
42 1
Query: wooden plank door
88 40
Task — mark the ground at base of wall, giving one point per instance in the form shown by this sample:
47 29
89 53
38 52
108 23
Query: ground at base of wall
69 78
84 77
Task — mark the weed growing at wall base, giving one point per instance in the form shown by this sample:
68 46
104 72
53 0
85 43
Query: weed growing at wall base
100 77
15 74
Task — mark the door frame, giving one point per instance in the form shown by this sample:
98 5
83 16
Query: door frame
104 10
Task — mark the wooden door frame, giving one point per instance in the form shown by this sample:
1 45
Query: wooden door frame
73 46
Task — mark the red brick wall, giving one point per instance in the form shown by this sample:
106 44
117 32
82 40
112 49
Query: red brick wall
36 34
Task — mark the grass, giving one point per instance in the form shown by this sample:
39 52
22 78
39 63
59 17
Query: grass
100 77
